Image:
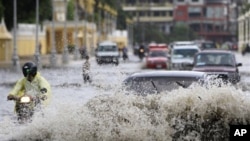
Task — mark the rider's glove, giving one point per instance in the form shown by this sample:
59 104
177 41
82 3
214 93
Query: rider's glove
43 90
11 97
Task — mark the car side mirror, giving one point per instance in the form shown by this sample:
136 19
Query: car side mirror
239 64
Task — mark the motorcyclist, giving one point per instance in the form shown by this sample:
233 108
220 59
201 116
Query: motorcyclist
125 53
141 52
31 82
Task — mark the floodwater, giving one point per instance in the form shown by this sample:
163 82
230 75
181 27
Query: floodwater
101 111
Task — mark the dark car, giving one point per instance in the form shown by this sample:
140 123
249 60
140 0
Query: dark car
208 45
219 63
151 82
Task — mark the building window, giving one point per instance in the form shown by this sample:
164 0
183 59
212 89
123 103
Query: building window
181 0
156 13
195 0
194 11
214 12
170 13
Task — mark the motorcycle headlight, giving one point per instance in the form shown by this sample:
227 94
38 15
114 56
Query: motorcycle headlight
25 99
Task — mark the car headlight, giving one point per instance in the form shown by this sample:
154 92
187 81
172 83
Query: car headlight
25 99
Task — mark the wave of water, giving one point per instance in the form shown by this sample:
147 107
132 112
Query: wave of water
186 114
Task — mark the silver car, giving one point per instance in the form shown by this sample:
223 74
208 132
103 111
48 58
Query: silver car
151 82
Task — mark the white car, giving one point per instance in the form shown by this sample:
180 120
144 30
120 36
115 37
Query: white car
107 52
181 55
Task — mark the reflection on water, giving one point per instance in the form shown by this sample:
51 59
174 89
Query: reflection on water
185 114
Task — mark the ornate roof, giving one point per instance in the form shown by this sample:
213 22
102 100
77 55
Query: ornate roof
4 33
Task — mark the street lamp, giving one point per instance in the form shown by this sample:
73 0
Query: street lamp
85 25
15 58
76 51
37 52
65 57
53 57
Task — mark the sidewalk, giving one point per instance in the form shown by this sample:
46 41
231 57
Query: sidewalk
45 61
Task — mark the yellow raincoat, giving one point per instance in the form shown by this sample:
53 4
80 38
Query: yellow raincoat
32 88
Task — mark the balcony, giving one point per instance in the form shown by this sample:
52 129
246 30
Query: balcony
147 6
216 1
154 19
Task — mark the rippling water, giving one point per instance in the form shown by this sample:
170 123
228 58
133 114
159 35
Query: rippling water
185 114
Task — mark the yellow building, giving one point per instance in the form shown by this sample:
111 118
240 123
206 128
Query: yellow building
5 44
26 40
81 32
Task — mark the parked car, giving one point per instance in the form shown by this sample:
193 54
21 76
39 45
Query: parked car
157 58
107 52
181 55
151 82
219 63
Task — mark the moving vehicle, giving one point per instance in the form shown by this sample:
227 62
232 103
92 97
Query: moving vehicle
157 81
26 106
141 53
107 52
219 63
182 55
157 58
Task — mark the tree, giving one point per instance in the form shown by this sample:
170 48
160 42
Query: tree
70 10
146 33
1 9
181 32
26 11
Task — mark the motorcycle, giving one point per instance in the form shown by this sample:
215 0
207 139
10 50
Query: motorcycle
26 105
141 54
125 56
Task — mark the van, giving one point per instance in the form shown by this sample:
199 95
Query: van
182 55
107 52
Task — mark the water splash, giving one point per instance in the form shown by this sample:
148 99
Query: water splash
195 113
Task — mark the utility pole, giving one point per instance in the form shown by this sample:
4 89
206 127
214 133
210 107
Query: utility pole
65 57
76 50
15 58
53 57
85 26
38 45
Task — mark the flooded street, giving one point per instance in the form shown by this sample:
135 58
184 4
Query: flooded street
101 111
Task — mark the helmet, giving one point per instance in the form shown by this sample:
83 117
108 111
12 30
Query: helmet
29 68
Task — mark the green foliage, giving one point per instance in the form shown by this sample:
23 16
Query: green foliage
147 33
1 9
70 10
245 8
121 20
115 4
181 32
26 11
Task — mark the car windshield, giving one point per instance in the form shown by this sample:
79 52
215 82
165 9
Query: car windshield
184 53
107 48
214 59
157 54
144 85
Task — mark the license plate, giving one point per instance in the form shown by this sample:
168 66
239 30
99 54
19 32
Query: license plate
158 66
